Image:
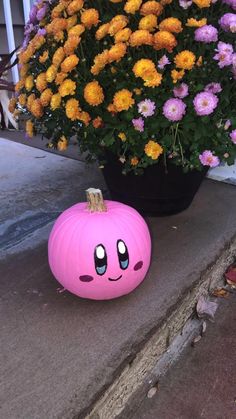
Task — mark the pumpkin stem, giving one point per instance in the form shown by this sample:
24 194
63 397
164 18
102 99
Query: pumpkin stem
95 200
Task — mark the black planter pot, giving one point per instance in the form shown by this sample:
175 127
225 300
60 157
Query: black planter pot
158 192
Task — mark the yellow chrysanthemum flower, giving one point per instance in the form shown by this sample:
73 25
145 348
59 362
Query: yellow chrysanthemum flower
152 78
71 44
117 23
43 58
71 21
22 99
202 3
177 75
171 24
93 93
12 104
185 60
140 37
31 98
58 56
75 6
194 23
100 62
69 63
67 88
55 101
153 149
142 66
84 117
72 109
41 82
60 78
102 31
151 8
117 52
123 100
89 18
29 83
76 30
123 35
164 39
51 73
148 23
29 127
122 136
132 6
36 108
46 96
62 143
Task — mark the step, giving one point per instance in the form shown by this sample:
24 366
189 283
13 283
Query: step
65 357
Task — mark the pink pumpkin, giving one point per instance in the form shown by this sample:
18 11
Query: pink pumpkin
99 251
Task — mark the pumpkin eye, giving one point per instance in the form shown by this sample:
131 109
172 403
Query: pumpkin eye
123 254
100 259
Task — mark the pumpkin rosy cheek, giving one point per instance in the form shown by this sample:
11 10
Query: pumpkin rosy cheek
86 278
138 265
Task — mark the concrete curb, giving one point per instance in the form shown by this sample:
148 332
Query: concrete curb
121 398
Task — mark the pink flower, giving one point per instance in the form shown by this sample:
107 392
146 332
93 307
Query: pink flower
213 88
205 103
207 158
164 60
138 124
146 108
181 91
233 136
174 109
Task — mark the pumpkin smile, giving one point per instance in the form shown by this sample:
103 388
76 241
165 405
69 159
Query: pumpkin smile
115 279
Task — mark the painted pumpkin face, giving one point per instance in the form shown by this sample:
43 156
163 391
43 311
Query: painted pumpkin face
100 255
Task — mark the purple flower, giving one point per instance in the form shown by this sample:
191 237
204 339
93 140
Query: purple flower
181 91
224 47
205 103
231 3
213 88
185 4
206 34
146 108
33 14
29 27
174 109
164 60
42 32
207 158
228 22
224 54
42 12
138 124
233 136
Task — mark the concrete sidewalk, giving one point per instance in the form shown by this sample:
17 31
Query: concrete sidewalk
202 384
60 353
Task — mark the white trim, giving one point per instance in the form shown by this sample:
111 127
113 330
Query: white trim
27 7
10 36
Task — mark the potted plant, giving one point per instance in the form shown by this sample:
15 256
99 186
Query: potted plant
148 87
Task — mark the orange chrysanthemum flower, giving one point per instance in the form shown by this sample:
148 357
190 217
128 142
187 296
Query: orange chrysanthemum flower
164 39
123 100
93 93
171 24
140 37
185 60
89 18
153 149
151 7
